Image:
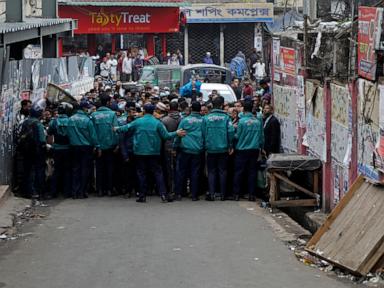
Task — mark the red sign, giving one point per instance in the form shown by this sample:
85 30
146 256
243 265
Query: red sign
98 20
368 37
288 60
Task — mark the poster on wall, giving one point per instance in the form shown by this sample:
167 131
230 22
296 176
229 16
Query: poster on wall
368 128
341 135
369 32
380 142
288 60
315 137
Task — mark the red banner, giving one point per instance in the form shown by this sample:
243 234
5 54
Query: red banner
288 60
98 20
368 37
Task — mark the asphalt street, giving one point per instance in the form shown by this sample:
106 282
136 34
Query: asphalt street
118 243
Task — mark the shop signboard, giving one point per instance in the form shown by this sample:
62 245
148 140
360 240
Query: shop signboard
98 20
229 12
369 33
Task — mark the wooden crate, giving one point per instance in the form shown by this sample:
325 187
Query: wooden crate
306 195
352 237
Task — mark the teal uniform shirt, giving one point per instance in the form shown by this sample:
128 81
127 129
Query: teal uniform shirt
147 135
218 132
249 133
58 127
41 138
104 119
193 142
81 131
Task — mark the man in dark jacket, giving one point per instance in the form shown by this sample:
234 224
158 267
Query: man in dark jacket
32 143
171 122
272 137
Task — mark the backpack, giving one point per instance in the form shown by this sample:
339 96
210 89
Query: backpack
28 139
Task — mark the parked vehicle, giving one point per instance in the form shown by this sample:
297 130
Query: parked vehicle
222 89
174 76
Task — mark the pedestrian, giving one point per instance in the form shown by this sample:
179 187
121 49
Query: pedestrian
249 141
191 89
259 70
272 137
84 142
112 62
174 60
127 68
32 145
58 137
128 178
180 57
137 64
171 122
252 60
236 88
105 68
148 133
208 58
104 119
218 133
190 149
248 89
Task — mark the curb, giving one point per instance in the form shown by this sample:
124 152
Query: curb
307 218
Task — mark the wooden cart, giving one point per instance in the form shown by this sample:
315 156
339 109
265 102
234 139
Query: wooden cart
280 168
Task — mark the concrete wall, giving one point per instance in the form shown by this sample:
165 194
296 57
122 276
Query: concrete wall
33 8
2 11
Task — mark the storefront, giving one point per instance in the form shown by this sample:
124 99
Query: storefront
121 26
224 29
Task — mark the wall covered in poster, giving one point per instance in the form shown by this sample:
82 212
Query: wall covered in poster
341 140
286 110
368 127
315 137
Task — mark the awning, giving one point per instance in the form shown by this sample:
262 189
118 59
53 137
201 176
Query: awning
145 3
34 28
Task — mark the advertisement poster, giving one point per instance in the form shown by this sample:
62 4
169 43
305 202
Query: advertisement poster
369 33
380 142
288 57
95 20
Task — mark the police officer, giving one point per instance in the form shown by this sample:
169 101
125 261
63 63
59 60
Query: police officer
104 119
32 144
218 134
148 133
83 139
58 130
190 150
249 141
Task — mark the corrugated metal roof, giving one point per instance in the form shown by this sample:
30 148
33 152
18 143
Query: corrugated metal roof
31 23
145 3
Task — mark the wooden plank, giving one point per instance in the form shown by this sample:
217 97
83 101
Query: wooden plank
316 182
272 189
293 184
353 235
335 212
296 203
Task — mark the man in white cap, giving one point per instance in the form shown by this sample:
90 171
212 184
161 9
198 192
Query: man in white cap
208 58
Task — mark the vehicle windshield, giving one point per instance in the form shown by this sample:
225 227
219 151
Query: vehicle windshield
148 75
228 97
210 75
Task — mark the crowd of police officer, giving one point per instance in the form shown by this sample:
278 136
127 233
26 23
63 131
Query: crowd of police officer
128 148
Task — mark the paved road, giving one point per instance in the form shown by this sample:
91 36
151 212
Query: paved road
113 243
